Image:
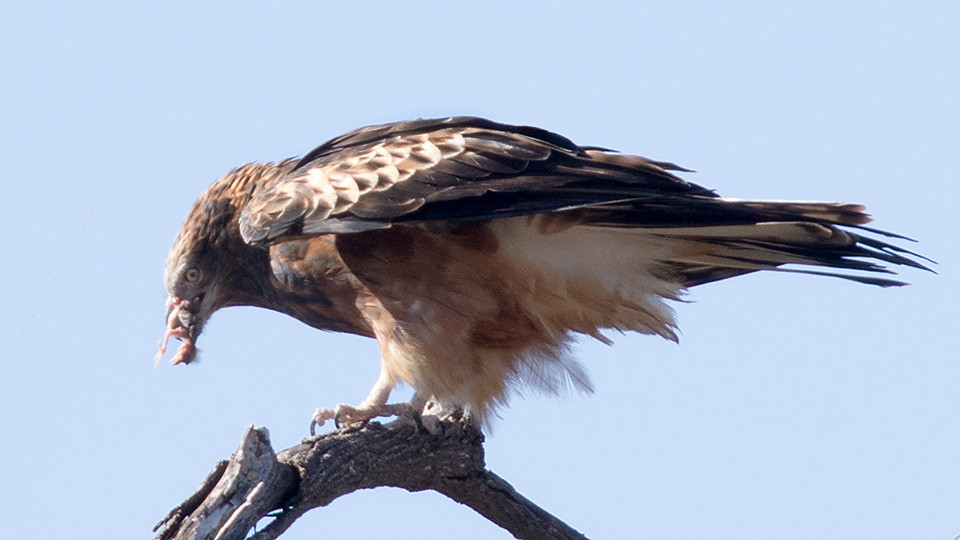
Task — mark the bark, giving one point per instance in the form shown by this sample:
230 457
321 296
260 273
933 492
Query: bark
256 483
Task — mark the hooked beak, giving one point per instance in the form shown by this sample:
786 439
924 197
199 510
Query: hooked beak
183 323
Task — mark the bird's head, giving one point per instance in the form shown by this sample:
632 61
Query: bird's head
196 276
209 265
193 295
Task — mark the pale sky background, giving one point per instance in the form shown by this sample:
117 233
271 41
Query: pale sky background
794 407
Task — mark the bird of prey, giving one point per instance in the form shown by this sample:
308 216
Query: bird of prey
475 251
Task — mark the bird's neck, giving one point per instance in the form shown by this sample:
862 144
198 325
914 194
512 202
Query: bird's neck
310 282
301 277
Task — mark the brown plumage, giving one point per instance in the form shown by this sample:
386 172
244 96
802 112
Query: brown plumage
473 251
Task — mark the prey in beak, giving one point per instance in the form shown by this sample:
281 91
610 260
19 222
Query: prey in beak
183 323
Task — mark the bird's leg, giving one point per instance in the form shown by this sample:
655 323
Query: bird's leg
374 406
420 402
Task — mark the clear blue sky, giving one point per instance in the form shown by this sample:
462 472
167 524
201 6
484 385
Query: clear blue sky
794 407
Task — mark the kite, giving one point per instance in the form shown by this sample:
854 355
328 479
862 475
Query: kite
474 252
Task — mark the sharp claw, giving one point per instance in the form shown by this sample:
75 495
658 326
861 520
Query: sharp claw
345 415
320 417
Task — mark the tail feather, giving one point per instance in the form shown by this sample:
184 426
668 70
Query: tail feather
723 238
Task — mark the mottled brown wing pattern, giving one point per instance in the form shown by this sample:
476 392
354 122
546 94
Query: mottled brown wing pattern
403 171
366 179
336 183
464 169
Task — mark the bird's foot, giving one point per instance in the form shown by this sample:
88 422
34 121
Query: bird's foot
434 415
348 415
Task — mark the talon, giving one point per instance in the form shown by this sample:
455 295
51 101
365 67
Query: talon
345 415
320 417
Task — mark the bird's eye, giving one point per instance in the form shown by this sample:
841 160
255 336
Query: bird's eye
192 275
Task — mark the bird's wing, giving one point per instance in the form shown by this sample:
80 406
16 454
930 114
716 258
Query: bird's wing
470 169
458 168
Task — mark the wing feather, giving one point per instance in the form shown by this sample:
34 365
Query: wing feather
469 169
383 174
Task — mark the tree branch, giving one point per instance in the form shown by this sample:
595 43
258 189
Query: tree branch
255 481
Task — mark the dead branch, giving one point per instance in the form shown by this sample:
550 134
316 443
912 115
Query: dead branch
256 483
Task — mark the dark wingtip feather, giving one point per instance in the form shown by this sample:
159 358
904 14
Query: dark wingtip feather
893 253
